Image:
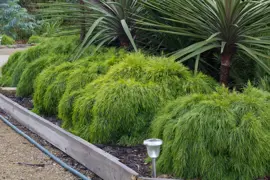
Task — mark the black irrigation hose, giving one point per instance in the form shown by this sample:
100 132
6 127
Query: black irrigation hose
44 150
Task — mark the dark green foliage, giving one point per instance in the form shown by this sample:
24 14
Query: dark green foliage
6 40
264 83
119 106
216 136
25 85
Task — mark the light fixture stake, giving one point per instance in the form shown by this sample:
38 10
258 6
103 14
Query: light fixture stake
153 150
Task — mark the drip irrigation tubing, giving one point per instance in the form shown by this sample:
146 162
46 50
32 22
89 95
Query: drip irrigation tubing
44 150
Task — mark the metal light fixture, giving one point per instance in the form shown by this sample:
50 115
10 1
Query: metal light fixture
153 150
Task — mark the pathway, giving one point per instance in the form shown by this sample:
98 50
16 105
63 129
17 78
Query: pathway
20 160
6 52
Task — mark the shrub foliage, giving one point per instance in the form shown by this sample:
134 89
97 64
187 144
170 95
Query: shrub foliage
219 136
119 107
6 40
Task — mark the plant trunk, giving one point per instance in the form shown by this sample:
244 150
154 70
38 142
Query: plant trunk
124 42
226 57
83 29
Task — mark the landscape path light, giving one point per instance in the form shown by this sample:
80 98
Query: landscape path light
153 150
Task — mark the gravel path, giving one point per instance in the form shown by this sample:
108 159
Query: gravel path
20 160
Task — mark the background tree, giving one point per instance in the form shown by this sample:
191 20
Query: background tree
227 27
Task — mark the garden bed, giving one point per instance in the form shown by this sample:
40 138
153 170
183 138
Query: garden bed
134 156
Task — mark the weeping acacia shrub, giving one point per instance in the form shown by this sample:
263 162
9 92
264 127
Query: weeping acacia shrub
222 135
77 79
130 93
123 110
166 72
25 86
67 77
18 62
8 68
98 64
44 82
58 86
24 60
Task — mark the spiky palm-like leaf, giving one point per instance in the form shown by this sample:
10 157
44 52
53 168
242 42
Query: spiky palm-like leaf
107 21
228 25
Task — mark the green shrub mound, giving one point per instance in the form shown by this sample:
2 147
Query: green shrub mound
143 79
35 39
24 60
6 40
25 86
77 80
55 91
44 80
216 136
68 77
98 64
170 75
19 62
8 69
123 111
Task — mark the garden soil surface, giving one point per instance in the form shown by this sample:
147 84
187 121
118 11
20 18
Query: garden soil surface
134 156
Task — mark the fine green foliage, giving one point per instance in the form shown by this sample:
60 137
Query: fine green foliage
6 40
35 39
26 83
55 91
130 93
123 109
24 60
43 93
8 68
98 64
19 62
216 136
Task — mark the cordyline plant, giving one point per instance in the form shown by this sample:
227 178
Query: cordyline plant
103 22
231 26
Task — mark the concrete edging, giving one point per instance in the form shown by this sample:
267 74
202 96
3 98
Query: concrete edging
95 159
98 161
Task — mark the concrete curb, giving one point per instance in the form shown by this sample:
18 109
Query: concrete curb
98 161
